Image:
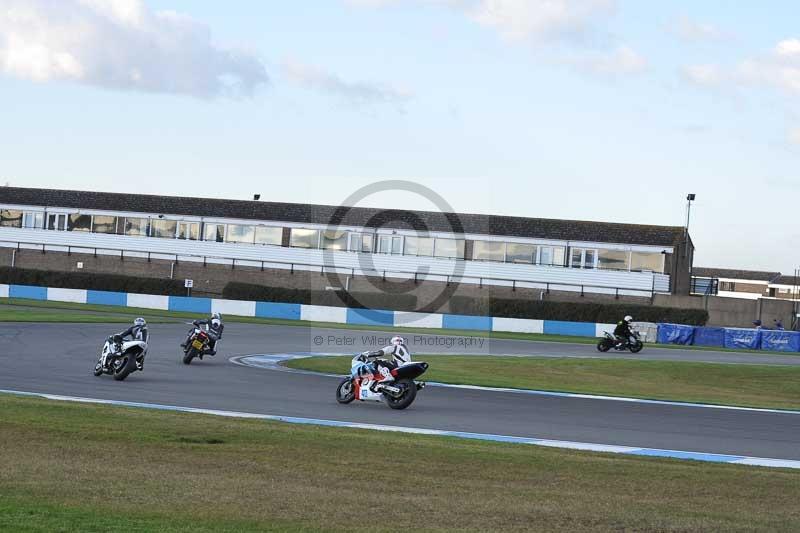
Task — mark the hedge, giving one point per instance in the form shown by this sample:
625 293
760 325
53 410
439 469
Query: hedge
92 281
235 290
575 312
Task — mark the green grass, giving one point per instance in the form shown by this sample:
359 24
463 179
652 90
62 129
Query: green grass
742 385
80 467
11 310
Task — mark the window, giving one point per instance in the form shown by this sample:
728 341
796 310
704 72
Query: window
613 259
520 253
33 220
57 221
582 258
188 230
136 227
79 223
361 242
334 240
728 286
420 246
653 262
388 244
551 255
104 224
241 233
164 229
11 218
304 238
449 248
269 235
214 233
489 251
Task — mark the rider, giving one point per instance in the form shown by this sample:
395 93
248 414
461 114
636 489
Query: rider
372 361
214 330
623 330
137 332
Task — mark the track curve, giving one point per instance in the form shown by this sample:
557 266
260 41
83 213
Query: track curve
57 359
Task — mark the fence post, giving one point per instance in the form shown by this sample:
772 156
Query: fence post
233 264
547 288
582 295
148 257
95 253
69 250
292 268
616 296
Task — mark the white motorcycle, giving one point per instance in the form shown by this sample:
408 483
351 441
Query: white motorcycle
120 358
386 382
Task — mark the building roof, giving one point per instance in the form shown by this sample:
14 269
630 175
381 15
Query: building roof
541 228
786 280
729 273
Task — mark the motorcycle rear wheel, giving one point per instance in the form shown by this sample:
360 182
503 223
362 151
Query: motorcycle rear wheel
407 398
345 392
188 355
603 345
124 370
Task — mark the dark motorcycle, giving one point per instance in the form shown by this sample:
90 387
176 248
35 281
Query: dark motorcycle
608 342
197 346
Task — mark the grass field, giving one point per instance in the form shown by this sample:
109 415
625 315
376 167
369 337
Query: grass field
744 385
20 310
80 467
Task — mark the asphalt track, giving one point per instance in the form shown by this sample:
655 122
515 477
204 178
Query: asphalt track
58 359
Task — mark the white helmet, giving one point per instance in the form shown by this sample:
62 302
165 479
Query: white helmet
140 322
215 322
628 318
397 340
216 316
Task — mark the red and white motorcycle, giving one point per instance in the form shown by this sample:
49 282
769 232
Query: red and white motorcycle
381 381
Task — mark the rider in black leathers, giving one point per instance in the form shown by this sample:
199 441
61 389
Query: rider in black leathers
214 331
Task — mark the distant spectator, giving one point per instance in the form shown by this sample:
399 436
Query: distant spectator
779 325
757 324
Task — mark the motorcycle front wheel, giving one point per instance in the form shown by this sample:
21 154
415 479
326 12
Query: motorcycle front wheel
345 392
637 346
98 369
406 398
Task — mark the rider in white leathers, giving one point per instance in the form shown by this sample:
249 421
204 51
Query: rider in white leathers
371 361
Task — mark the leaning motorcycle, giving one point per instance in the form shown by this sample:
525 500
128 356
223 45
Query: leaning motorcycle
398 392
119 358
197 346
608 342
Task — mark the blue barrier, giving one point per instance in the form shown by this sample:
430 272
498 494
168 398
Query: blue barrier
482 323
370 317
780 341
192 305
278 310
27 291
743 338
709 337
675 334
577 329
106 298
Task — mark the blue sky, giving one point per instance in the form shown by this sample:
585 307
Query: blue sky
598 110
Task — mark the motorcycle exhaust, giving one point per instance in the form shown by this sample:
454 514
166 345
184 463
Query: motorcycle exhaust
420 385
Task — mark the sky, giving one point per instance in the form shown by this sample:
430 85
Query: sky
607 110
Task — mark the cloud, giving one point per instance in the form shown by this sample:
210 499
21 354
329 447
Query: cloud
622 60
536 20
358 93
794 136
121 44
779 69
689 30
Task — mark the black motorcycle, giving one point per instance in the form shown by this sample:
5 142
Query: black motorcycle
119 358
608 342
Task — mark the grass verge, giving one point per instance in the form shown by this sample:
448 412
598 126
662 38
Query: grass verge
742 385
101 468
20 310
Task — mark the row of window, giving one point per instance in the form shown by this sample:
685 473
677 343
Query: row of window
504 252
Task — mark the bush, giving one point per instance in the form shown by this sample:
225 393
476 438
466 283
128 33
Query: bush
264 293
575 312
92 281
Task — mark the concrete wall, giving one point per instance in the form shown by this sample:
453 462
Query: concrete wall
733 312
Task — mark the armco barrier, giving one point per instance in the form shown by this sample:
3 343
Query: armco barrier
743 338
709 337
675 334
780 341
784 341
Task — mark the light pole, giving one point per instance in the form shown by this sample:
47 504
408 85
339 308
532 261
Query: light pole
689 199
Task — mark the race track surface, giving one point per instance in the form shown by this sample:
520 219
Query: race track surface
58 359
